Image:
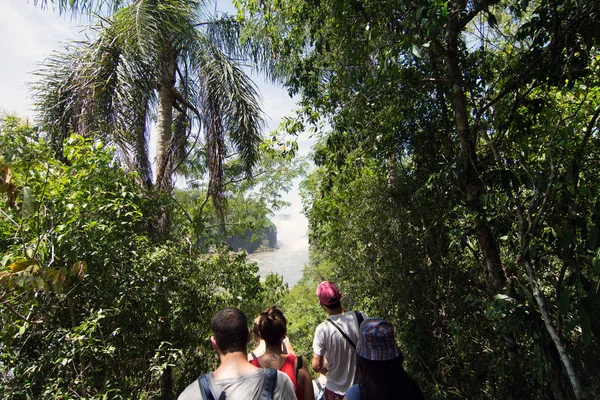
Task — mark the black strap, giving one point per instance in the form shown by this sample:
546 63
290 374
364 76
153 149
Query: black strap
253 355
343 334
298 365
359 318
205 389
270 383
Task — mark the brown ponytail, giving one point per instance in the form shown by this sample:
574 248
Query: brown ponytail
270 326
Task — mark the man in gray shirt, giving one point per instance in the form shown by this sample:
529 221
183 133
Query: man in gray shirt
236 377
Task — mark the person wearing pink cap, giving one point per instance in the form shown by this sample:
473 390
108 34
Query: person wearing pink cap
335 340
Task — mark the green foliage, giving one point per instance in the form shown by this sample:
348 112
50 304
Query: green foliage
250 201
303 313
456 184
92 306
275 290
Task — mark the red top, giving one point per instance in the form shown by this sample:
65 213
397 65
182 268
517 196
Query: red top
289 368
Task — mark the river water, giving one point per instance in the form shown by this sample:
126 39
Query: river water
289 258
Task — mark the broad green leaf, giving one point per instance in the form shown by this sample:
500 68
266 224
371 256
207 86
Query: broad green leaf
29 203
4 260
563 307
39 283
532 252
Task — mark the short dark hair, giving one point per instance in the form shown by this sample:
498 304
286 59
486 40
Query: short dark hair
230 330
333 306
271 326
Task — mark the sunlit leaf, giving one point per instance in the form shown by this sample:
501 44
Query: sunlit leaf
79 269
5 174
416 52
504 297
20 265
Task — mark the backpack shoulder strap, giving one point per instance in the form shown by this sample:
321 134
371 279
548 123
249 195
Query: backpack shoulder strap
342 332
298 365
319 386
205 389
359 317
270 384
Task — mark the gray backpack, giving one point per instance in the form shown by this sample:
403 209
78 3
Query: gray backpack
266 394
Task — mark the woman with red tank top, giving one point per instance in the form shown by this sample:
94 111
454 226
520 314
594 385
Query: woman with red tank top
271 327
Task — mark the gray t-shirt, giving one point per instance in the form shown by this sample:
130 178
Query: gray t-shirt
242 388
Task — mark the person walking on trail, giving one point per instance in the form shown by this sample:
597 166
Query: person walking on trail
259 350
335 339
236 378
380 362
271 326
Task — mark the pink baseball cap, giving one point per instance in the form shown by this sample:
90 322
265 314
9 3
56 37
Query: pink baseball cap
328 293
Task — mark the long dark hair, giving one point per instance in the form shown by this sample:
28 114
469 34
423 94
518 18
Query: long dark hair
386 380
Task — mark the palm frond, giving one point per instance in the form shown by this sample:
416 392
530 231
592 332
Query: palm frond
237 101
113 86
100 89
77 7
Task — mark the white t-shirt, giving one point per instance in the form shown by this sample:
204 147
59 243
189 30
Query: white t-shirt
340 355
243 388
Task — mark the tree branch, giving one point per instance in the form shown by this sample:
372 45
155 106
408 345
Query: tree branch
590 127
479 7
24 318
539 298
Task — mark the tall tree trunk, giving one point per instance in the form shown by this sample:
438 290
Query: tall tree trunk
472 185
474 189
164 126
163 182
164 131
142 160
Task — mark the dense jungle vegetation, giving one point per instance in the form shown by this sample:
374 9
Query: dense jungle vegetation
456 191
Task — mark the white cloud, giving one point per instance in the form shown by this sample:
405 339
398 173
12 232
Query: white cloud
28 36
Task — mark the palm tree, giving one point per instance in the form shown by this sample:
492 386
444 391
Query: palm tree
156 60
